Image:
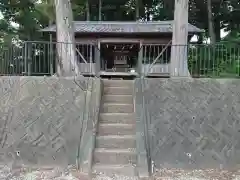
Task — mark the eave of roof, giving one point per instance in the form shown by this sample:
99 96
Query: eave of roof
124 27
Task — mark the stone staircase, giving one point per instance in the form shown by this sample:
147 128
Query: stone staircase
115 147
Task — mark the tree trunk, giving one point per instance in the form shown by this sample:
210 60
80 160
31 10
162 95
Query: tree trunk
179 58
200 39
210 23
87 10
148 14
217 30
67 63
137 10
100 10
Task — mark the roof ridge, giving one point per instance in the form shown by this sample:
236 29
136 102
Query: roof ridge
124 27
125 22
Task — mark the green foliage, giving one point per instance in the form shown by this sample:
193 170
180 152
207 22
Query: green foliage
219 60
22 13
32 15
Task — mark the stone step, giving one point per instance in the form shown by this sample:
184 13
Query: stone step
118 91
124 118
117 108
118 83
115 156
121 142
118 169
116 129
127 99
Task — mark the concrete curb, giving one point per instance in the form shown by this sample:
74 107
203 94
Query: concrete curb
89 129
97 102
142 163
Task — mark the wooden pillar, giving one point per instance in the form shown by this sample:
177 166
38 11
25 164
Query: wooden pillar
140 59
91 58
179 66
25 58
29 58
97 58
51 56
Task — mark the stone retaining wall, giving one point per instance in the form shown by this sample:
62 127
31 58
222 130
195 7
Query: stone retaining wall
191 123
41 119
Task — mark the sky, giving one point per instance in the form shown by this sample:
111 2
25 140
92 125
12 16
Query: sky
223 34
12 23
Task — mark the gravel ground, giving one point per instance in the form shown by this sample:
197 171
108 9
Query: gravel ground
40 174
210 174
72 174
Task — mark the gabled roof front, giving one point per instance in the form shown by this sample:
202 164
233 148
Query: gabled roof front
124 27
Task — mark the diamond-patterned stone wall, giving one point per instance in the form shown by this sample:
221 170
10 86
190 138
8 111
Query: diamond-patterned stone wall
191 123
41 120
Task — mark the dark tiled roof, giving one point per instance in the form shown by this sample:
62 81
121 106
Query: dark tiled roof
123 27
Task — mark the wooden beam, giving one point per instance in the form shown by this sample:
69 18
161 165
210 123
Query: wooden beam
119 40
81 56
161 53
86 40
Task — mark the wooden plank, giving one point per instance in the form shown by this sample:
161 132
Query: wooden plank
148 41
86 40
89 68
156 69
105 73
135 40
119 40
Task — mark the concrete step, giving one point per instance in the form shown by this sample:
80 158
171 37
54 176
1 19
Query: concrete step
121 142
116 129
117 108
118 91
118 83
125 99
118 169
124 118
115 156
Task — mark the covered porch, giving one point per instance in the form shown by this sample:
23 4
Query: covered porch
126 58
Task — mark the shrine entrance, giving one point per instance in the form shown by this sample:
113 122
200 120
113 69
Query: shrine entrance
119 57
